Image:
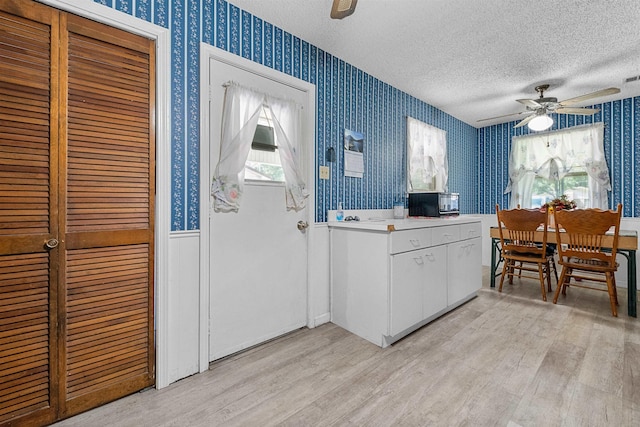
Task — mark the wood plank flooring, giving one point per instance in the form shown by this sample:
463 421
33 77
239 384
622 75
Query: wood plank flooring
505 359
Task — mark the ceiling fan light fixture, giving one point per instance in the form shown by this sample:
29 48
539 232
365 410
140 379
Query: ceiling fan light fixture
540 122
342 8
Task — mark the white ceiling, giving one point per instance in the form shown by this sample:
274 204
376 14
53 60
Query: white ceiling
474 58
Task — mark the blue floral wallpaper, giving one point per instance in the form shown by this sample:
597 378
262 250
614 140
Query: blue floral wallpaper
347 97
621 144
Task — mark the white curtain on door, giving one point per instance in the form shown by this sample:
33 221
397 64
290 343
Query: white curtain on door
287 124
427 150
553 155
241 111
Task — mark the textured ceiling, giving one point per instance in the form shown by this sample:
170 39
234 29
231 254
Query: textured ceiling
474 58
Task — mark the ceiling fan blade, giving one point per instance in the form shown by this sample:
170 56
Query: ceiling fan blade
596 94
579 111
529 103
525 121
342 8
506 115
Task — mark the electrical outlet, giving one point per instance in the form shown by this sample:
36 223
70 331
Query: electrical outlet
324 172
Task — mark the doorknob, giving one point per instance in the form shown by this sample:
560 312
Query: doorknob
51 243
303 225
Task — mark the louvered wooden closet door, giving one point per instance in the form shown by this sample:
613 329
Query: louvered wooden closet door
76 213
107 196
28 197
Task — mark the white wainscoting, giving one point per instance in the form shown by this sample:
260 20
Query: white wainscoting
489 221
319 295
183 317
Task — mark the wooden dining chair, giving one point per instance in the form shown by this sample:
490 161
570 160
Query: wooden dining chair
551 248
581 252
521 250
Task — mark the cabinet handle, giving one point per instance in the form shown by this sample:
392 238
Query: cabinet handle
467 248
472 233
418 260
415 242
447 236
430 257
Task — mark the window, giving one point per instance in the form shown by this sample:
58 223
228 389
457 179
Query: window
427 168
569 161
263 162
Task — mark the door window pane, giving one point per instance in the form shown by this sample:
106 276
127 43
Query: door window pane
263 163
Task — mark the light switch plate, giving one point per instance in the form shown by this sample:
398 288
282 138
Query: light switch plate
324 172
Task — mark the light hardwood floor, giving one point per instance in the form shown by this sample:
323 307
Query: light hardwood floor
505 359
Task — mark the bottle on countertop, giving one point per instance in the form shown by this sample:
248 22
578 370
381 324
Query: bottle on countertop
398 209
339 212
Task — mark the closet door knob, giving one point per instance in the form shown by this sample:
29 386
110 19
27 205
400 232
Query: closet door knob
51 243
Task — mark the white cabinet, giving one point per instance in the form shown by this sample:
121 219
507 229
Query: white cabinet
386 284
407 272
418 286
464 261
435 281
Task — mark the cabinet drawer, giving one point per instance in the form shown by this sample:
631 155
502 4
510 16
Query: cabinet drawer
409 240
470 231
446 234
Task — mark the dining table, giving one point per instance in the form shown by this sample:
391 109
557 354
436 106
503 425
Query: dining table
627 247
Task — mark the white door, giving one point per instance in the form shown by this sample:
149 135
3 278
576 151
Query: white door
258 256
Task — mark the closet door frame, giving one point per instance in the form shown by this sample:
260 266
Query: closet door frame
114 18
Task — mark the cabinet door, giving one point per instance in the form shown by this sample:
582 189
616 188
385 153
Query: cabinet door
464 261
407 275
434 280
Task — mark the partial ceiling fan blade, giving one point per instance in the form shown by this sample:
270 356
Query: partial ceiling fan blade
525 121
531 103
342 8
579 111
506 115
596 94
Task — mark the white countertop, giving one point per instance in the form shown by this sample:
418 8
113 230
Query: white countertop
381 223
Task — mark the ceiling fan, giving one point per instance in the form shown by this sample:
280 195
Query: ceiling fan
537 110
342 8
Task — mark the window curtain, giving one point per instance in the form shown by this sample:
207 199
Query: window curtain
287 123
427 150
553 155
241 111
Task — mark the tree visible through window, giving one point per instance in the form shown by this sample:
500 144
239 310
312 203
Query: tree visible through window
575 186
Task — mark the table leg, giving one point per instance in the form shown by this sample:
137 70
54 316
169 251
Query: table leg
494 248
630 255
631 284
